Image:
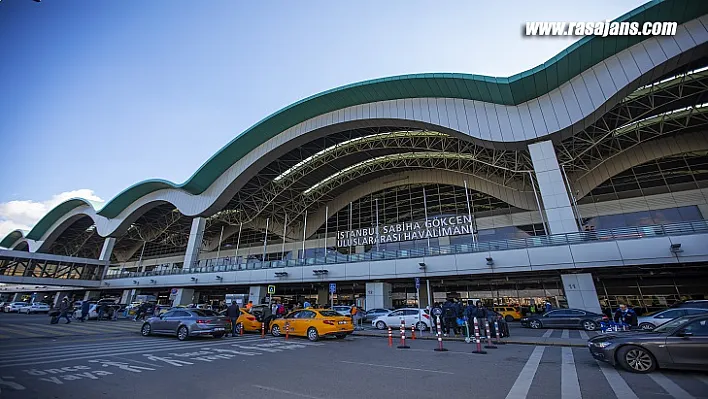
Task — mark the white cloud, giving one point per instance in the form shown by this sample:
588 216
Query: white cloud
24 214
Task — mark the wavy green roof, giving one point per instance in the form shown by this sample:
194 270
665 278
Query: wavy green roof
512 90
11 238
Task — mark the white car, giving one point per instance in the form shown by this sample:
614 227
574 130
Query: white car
37 307
14 306
653 320
418 317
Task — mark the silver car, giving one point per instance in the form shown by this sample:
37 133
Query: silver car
653 320
185 323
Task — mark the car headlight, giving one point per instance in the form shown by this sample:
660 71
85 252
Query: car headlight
603 344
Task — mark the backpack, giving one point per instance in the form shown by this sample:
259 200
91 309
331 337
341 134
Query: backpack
449 312
281 309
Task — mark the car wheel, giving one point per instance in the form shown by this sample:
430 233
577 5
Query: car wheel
312 334
647 326
535 324
145 330
509 318
636 359
341 336
380 325
420 326
182 333
275 331
589 325
237 328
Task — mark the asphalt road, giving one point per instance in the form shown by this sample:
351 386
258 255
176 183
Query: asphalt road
123 364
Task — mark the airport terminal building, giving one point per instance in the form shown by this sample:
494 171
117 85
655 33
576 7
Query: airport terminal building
583 181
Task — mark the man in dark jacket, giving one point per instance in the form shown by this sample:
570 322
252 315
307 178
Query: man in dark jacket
85 305
64 310
625 315
233 312
449 317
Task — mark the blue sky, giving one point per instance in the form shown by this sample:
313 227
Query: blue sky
98 95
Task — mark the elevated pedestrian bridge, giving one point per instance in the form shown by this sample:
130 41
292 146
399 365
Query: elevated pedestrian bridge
672 244
39 269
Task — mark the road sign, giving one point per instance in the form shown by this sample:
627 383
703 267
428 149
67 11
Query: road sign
174 291
271 289
417 282
332 288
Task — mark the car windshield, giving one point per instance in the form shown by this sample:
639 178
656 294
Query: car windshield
671 325
329 313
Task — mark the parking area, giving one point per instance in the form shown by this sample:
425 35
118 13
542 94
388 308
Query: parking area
121 364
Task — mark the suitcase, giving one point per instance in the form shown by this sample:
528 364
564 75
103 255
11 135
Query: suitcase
54 320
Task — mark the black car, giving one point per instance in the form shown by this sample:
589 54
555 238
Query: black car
565 318
682 343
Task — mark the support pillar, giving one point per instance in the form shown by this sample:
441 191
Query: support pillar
59 296
323 296
194 245
554 194
580 292
17 297
378 295
423 299
91 295
184 296
107 249
257 293
128 296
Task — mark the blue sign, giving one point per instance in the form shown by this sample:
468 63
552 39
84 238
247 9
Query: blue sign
417 282
332 288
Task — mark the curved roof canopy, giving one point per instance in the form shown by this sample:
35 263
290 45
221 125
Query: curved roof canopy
512 90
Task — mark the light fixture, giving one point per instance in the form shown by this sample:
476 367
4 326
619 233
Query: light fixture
281 274
676 248
422 265
107 283
490 261
135 281
320 272
153 281
193 278
219 278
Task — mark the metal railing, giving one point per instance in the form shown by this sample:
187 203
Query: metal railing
622 233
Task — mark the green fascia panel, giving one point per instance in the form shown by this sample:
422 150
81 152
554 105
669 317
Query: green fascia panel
55 214
11 239
514 90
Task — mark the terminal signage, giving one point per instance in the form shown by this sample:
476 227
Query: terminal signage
407 231
332 288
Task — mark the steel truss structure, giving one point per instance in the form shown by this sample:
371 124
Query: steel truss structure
48 268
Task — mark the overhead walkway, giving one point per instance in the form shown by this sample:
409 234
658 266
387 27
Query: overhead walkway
32 268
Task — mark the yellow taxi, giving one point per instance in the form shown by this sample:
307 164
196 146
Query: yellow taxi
313 324
508 312
248 322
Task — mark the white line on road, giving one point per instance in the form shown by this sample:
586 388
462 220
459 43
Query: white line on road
547 334
670 386
396 367
523 382
617 383
565 334
301 395
71 349
584 335
702 379
162 348
570 387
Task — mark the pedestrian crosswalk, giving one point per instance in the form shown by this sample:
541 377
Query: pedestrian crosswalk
583 377
566 333
10 331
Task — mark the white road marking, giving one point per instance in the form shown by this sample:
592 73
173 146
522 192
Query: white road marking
547 334
702 379
565 334
69 350
570 386
617 383
396 367
670 386
98 344
12 330
584 335
132 351
301 395
523 382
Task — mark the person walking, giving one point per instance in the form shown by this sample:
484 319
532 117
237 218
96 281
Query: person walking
449 317
626 316
64 310
355 316
85 305
267 317
233 312
101 311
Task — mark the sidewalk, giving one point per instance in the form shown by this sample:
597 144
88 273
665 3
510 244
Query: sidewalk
572 342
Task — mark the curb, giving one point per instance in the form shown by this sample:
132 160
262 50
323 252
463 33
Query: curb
506 340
